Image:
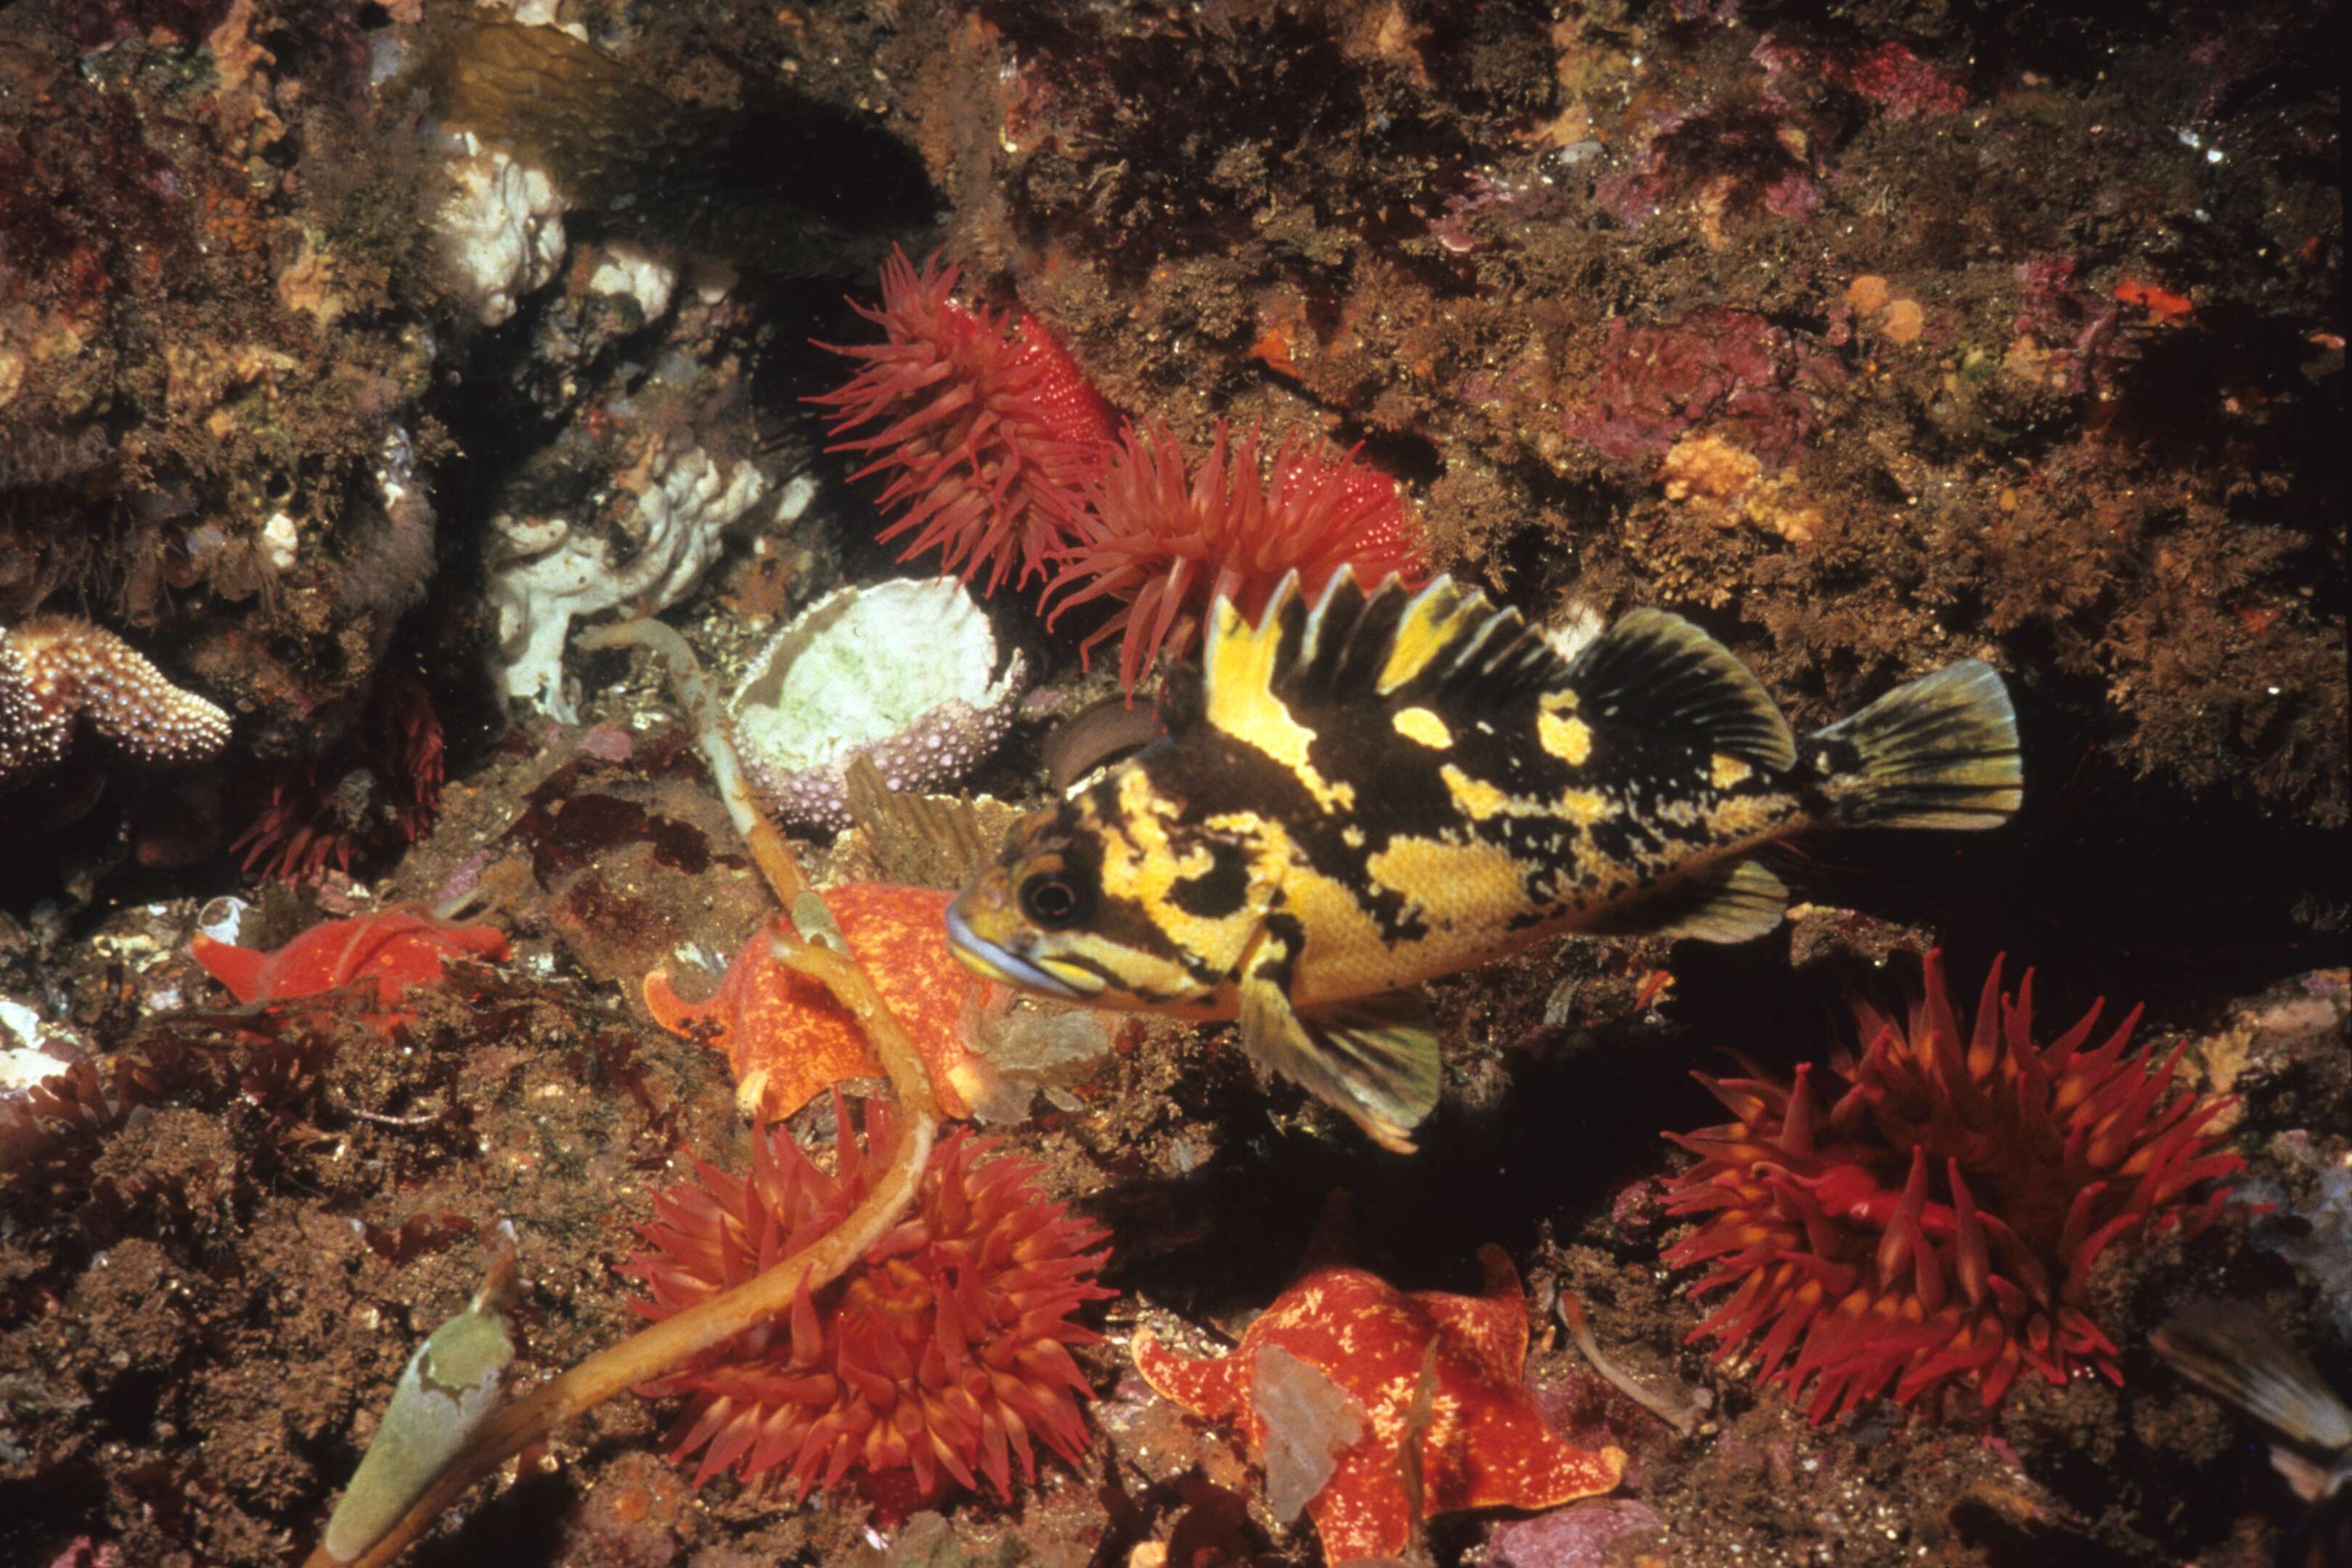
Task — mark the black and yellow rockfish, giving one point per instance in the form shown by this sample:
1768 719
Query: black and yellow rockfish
1380 788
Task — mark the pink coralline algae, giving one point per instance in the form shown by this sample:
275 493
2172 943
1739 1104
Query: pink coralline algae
1511 209
1731 370
86 1553
1888 74
2073 330
98 23
1725 163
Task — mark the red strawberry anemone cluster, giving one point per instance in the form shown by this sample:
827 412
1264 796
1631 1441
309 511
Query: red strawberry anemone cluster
942 1356
1165 546
989 430
1935 1217
1001 456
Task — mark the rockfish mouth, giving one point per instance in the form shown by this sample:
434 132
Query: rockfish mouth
989 961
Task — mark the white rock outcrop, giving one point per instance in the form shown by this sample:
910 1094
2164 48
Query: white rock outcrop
626 269
503 226
544 574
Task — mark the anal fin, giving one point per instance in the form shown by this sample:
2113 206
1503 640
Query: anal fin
1374 1059
1733 900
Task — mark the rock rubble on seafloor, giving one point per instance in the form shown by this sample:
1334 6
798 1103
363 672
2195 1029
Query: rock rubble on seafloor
906 672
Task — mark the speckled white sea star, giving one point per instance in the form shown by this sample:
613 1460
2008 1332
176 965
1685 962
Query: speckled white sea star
55 671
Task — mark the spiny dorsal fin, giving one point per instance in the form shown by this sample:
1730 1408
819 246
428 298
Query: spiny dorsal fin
1656 669
1240 662
1393 643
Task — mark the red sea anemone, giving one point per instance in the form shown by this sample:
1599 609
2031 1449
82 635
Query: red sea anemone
941 1355
1939 1221
1166 546
989 430
382 784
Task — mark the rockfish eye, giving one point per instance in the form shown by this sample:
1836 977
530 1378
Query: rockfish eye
1048 899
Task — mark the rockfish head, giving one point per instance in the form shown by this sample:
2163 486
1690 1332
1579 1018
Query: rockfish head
1087 902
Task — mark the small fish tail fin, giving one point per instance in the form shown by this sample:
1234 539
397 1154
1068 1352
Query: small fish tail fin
2235 1352
1941 751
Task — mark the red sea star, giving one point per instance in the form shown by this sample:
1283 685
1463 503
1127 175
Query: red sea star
787 1037
1485 1444
396 949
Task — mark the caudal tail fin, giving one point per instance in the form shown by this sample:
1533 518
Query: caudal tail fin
2233 1351
1939 753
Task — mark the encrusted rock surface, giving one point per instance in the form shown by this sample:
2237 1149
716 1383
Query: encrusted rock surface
906 672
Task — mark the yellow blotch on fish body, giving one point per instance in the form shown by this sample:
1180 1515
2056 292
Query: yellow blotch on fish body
1456 885
1476 797
1421 724
1142 863
1345 955
1727 771
1583 806
1570 739
1749 817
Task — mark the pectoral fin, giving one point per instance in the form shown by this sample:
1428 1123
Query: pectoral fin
1375 1059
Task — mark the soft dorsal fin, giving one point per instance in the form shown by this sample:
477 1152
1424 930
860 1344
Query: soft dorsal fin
1656 669
1393 643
